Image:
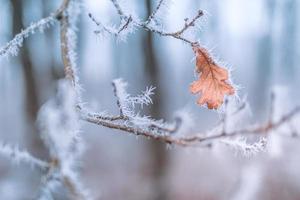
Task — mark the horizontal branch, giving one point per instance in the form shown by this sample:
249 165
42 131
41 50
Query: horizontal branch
131 129
167 137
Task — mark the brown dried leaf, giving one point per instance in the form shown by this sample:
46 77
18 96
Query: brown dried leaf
212 80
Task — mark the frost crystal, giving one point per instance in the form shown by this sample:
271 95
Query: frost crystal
127 102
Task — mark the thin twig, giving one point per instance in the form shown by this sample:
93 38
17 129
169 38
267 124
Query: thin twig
115 90
125 26
187 24
147 27
153 14
118 8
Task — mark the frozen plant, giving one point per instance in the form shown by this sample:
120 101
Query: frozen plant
60 117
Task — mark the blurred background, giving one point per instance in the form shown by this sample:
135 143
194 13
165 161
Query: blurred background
259 40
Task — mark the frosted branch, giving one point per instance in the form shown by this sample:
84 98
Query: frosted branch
69 40
19 156
131 123
128 120
12 47
147 25
125 102
153 14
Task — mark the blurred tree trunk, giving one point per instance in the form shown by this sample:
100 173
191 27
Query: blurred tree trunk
265 59
31 90
288 38
56 69
157 149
